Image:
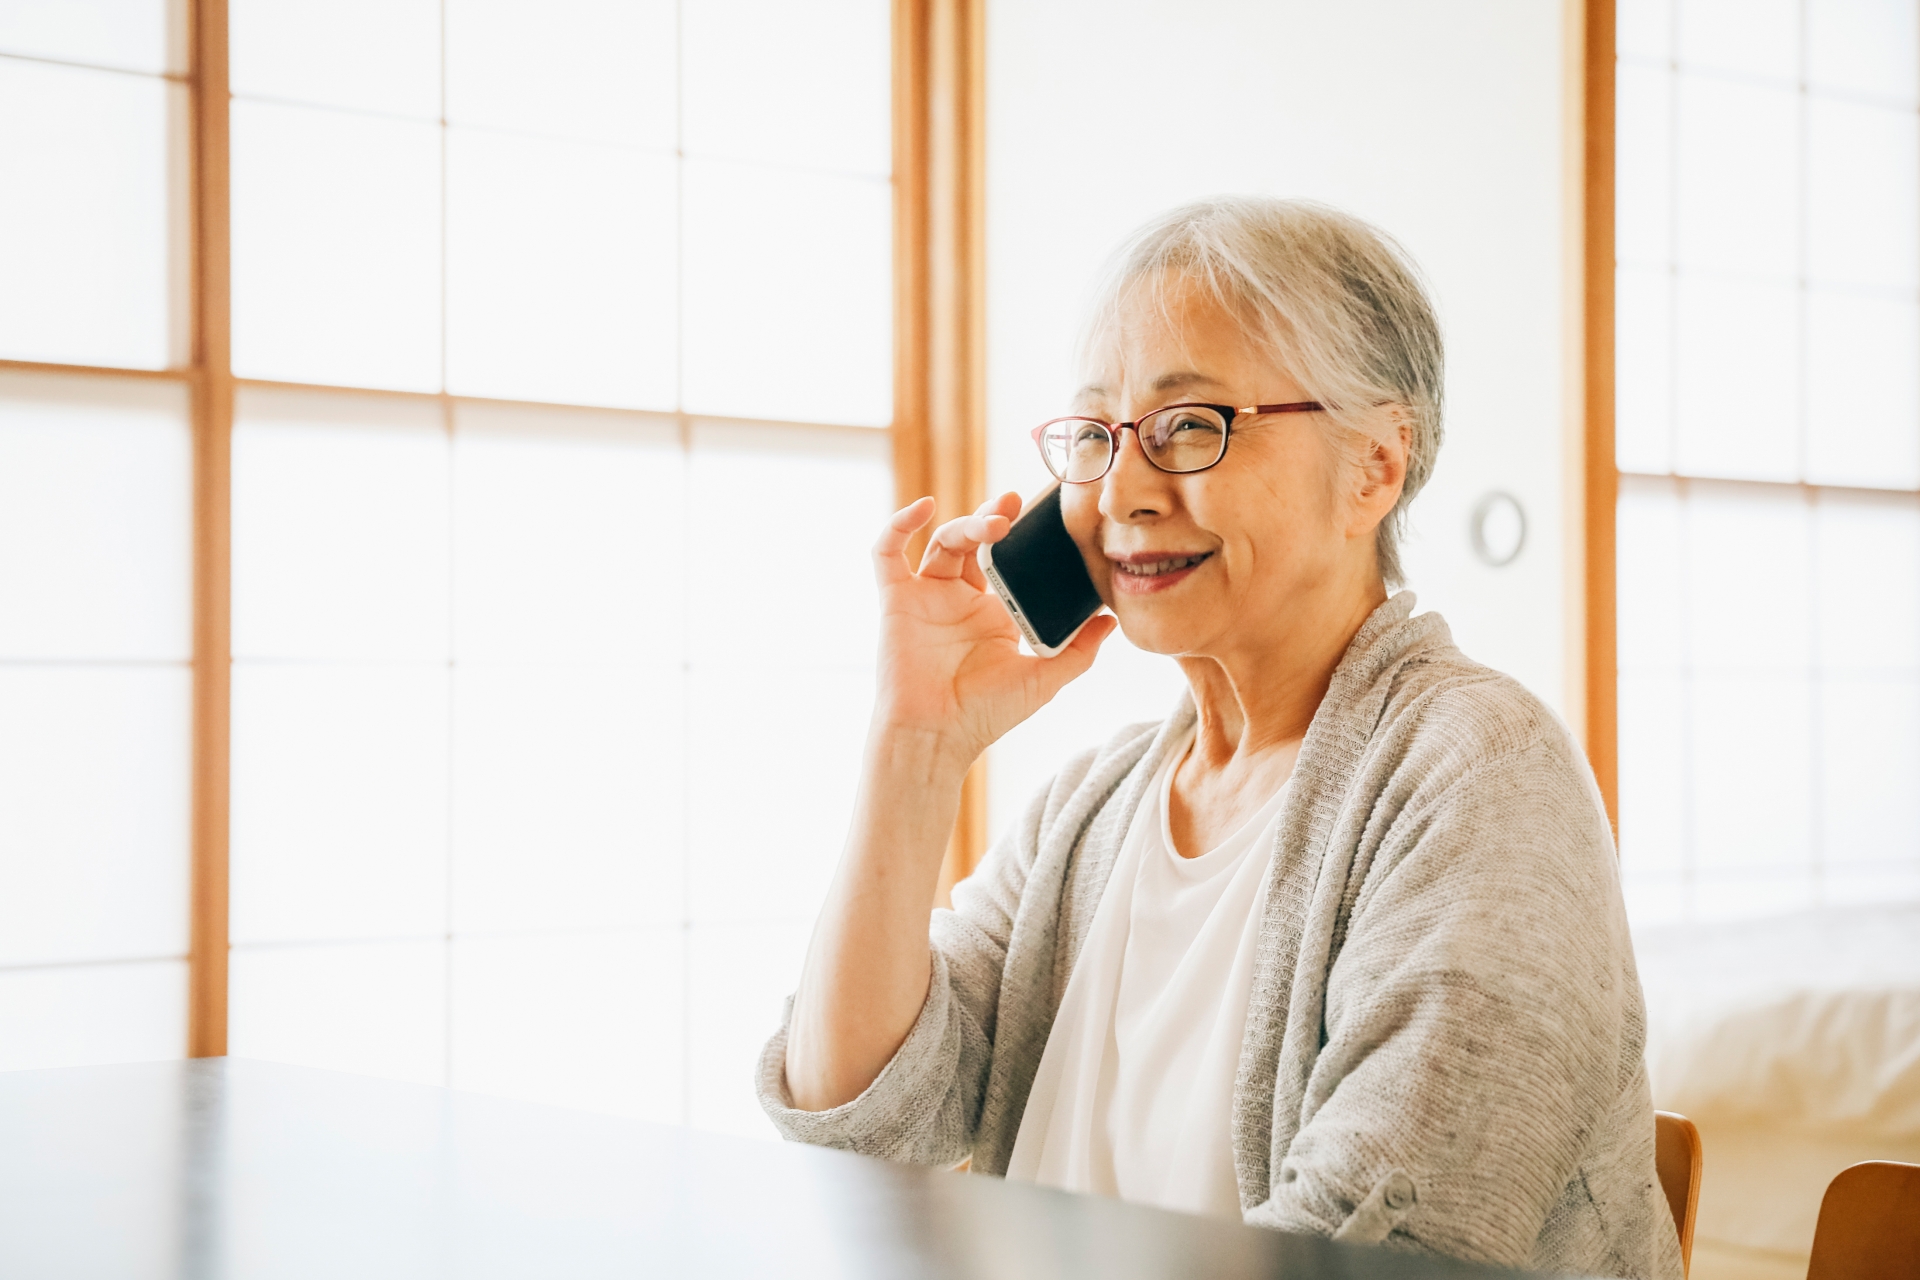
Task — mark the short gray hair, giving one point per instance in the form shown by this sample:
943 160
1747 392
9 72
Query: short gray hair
1337 302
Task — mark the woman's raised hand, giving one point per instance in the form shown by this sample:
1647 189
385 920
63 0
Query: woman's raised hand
950 659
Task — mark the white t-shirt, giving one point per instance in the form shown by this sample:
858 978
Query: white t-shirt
1134 1095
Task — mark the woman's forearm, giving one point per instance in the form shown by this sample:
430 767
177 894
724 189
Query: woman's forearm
867 970
951 680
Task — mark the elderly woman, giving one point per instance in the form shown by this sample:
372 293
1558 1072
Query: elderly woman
1338 947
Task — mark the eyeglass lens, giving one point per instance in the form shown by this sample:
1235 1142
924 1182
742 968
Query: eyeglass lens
1185 438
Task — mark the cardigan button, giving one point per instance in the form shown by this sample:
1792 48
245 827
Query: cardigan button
1400 1191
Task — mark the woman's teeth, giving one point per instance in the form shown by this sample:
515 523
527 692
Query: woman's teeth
1154 568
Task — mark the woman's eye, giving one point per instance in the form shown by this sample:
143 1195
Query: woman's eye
1186 425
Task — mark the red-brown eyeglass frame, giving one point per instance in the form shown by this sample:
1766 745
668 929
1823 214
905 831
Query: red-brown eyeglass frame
1113 429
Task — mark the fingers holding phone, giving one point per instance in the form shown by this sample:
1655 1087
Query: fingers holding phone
952 551
950 659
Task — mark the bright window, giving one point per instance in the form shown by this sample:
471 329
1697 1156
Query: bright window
95 539
563 339
509 810
1769 444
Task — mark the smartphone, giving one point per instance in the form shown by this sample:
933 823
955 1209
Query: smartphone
1037 572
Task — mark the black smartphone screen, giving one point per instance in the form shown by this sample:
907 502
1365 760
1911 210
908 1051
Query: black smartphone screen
1042 568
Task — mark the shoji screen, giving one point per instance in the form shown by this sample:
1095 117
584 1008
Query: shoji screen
1769 439
552 624
95 538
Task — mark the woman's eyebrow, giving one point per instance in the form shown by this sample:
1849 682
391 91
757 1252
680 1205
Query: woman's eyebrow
1092 393
1178 381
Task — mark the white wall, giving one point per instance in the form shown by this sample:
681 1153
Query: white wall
1442 123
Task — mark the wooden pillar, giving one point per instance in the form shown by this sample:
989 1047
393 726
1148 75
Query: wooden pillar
939 384
212 534
1601 480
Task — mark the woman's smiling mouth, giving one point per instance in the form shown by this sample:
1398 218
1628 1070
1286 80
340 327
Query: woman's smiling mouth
1151 571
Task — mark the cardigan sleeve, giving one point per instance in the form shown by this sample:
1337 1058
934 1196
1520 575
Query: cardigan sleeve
1482 1020
924 1106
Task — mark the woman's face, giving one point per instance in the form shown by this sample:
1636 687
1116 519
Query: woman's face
1209 562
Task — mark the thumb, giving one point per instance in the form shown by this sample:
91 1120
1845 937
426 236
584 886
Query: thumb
1072 662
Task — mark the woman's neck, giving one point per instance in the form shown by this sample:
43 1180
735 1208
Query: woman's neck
1255 703
1257 698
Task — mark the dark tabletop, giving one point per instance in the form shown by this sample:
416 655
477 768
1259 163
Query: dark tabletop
224 1167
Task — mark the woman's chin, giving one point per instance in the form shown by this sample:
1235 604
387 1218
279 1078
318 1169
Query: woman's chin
1152 630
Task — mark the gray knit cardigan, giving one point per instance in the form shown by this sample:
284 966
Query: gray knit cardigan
1444 1044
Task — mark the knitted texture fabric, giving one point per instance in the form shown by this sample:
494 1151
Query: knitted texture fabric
1444 1044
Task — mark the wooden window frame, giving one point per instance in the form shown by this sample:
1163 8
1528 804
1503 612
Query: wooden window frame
939 292
212 373
1594 481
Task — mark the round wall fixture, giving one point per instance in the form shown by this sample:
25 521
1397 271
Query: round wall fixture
1498 529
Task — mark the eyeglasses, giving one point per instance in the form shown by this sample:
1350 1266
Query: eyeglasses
1181 438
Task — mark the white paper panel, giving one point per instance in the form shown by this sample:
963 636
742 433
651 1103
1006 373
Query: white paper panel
560 271
95 519
1757 37
1863 390
371 1008
1866 573
1643 369
1655 897
604 70
91 229
785 521
802 85
1651 558
339 801
593 1021
1644 28
1870 884
340 527
774 762
1869 758
1736 376
1739 175
1751 772
93 1014
1863 46
1643 173
1653 777
737 977
336 248
568 797
94 788
570 536
132 35
1748 556
365 55
1863 195
1752 892
788 316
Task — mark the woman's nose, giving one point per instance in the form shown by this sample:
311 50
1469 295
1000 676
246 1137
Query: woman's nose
1133 488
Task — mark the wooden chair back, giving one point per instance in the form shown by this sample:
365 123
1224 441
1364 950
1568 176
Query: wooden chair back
1678 1157
1869 1225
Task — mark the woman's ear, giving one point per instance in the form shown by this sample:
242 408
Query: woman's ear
1383 469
